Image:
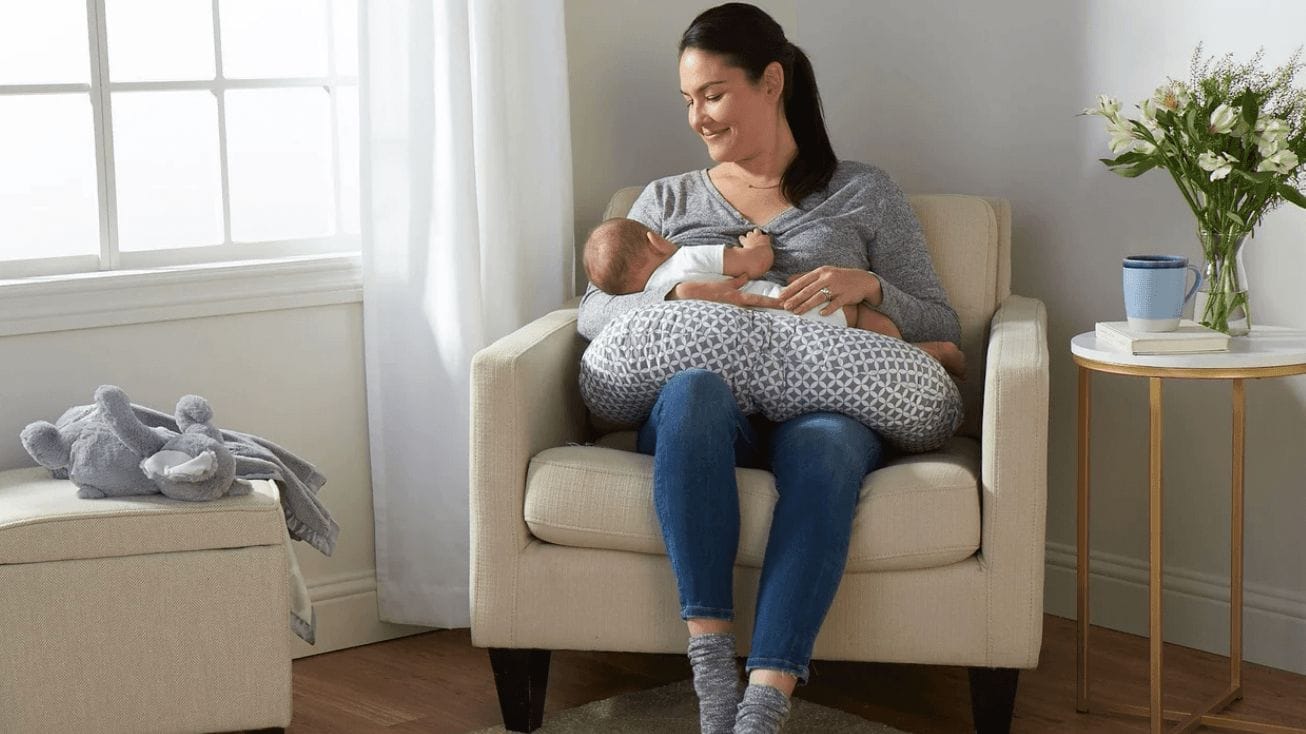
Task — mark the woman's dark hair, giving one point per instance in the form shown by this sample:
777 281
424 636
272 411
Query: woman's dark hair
750 39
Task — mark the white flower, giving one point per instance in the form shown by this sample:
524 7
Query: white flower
1154 127
1173 96
1271 134
1223 119
1149 110
1145 147
1272 126
1108 107
1267 146
1122 135
1219 165
1282 161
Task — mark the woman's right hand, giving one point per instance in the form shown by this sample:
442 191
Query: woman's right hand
721 291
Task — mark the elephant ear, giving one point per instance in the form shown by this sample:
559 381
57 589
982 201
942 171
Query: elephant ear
44 442
117 412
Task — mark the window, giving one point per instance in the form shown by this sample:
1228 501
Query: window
146 133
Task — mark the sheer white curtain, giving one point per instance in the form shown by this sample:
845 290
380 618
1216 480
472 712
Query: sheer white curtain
467 234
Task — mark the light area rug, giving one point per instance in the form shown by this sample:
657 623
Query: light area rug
672 709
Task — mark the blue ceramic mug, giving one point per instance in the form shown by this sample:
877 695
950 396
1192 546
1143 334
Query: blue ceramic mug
1154 290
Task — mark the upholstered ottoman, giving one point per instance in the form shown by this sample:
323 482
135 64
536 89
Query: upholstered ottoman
141 614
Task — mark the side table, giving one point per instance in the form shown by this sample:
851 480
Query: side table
1266 352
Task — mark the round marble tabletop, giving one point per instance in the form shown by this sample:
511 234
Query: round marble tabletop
1265 346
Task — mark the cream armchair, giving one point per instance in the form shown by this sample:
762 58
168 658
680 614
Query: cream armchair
946 559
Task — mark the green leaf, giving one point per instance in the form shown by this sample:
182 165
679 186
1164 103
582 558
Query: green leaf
1135 170
1298 145
1250 107
1259 178
1292 195
1190 123
1130 158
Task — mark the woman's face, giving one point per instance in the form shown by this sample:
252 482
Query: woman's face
736 118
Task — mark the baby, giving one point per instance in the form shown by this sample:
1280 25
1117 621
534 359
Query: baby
623 256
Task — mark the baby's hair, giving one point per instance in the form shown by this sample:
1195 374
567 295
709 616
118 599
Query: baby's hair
613 251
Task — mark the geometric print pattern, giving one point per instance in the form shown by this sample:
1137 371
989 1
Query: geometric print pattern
775 365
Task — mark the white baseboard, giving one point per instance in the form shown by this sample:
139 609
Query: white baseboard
347 615
1195 606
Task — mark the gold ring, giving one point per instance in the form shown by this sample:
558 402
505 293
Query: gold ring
826 292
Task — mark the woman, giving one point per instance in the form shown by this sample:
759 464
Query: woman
843 234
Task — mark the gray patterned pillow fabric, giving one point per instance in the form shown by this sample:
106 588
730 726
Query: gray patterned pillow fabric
776 365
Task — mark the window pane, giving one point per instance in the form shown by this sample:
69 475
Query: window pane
165 150
48 185
347 131
44 42
345 22
279 163
273 38
160 40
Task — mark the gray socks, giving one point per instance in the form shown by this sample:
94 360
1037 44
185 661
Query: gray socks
716 681
763 710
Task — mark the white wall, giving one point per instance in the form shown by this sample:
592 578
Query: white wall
982 98
293 376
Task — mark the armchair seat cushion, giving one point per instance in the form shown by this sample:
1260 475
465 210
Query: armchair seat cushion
918 511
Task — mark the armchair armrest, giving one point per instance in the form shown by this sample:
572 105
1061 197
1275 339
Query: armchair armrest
1013 478
525 398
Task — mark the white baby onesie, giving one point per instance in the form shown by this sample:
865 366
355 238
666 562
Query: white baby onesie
706 262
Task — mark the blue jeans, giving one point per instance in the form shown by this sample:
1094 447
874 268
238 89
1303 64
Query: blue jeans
697 436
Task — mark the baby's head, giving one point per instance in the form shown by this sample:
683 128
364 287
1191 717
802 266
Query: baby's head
621 254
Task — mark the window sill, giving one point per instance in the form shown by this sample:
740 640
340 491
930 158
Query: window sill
116 298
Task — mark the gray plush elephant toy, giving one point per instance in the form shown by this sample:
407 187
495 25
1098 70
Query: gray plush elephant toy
108 452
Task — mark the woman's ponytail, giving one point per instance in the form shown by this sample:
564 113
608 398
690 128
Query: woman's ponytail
750 39
814 165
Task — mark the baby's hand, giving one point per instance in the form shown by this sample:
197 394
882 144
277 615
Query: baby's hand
753 259
755 238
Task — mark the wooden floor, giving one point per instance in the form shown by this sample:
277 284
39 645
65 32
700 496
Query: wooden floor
437 682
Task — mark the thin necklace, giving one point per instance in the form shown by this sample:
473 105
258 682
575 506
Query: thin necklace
751 186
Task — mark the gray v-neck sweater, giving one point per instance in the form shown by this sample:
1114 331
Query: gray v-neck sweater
862 220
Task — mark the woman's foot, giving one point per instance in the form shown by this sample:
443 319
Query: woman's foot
716 681
762 711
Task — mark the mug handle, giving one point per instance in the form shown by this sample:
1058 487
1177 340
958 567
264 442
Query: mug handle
1197 283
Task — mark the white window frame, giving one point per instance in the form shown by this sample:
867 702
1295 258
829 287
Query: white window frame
116 287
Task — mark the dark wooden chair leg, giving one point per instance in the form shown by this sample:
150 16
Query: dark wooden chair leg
520 677
992 698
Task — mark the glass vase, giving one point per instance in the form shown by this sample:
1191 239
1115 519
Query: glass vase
1222 300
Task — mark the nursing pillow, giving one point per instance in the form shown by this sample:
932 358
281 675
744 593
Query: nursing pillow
775 365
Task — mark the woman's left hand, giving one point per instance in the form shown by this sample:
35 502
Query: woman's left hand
846 286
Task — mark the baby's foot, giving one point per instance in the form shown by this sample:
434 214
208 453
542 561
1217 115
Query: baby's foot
948 355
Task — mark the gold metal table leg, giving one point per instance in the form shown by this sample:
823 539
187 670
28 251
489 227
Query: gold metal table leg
1155 561
1236 542
1081 566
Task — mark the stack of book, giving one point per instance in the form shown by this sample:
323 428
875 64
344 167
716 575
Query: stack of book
1189 338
